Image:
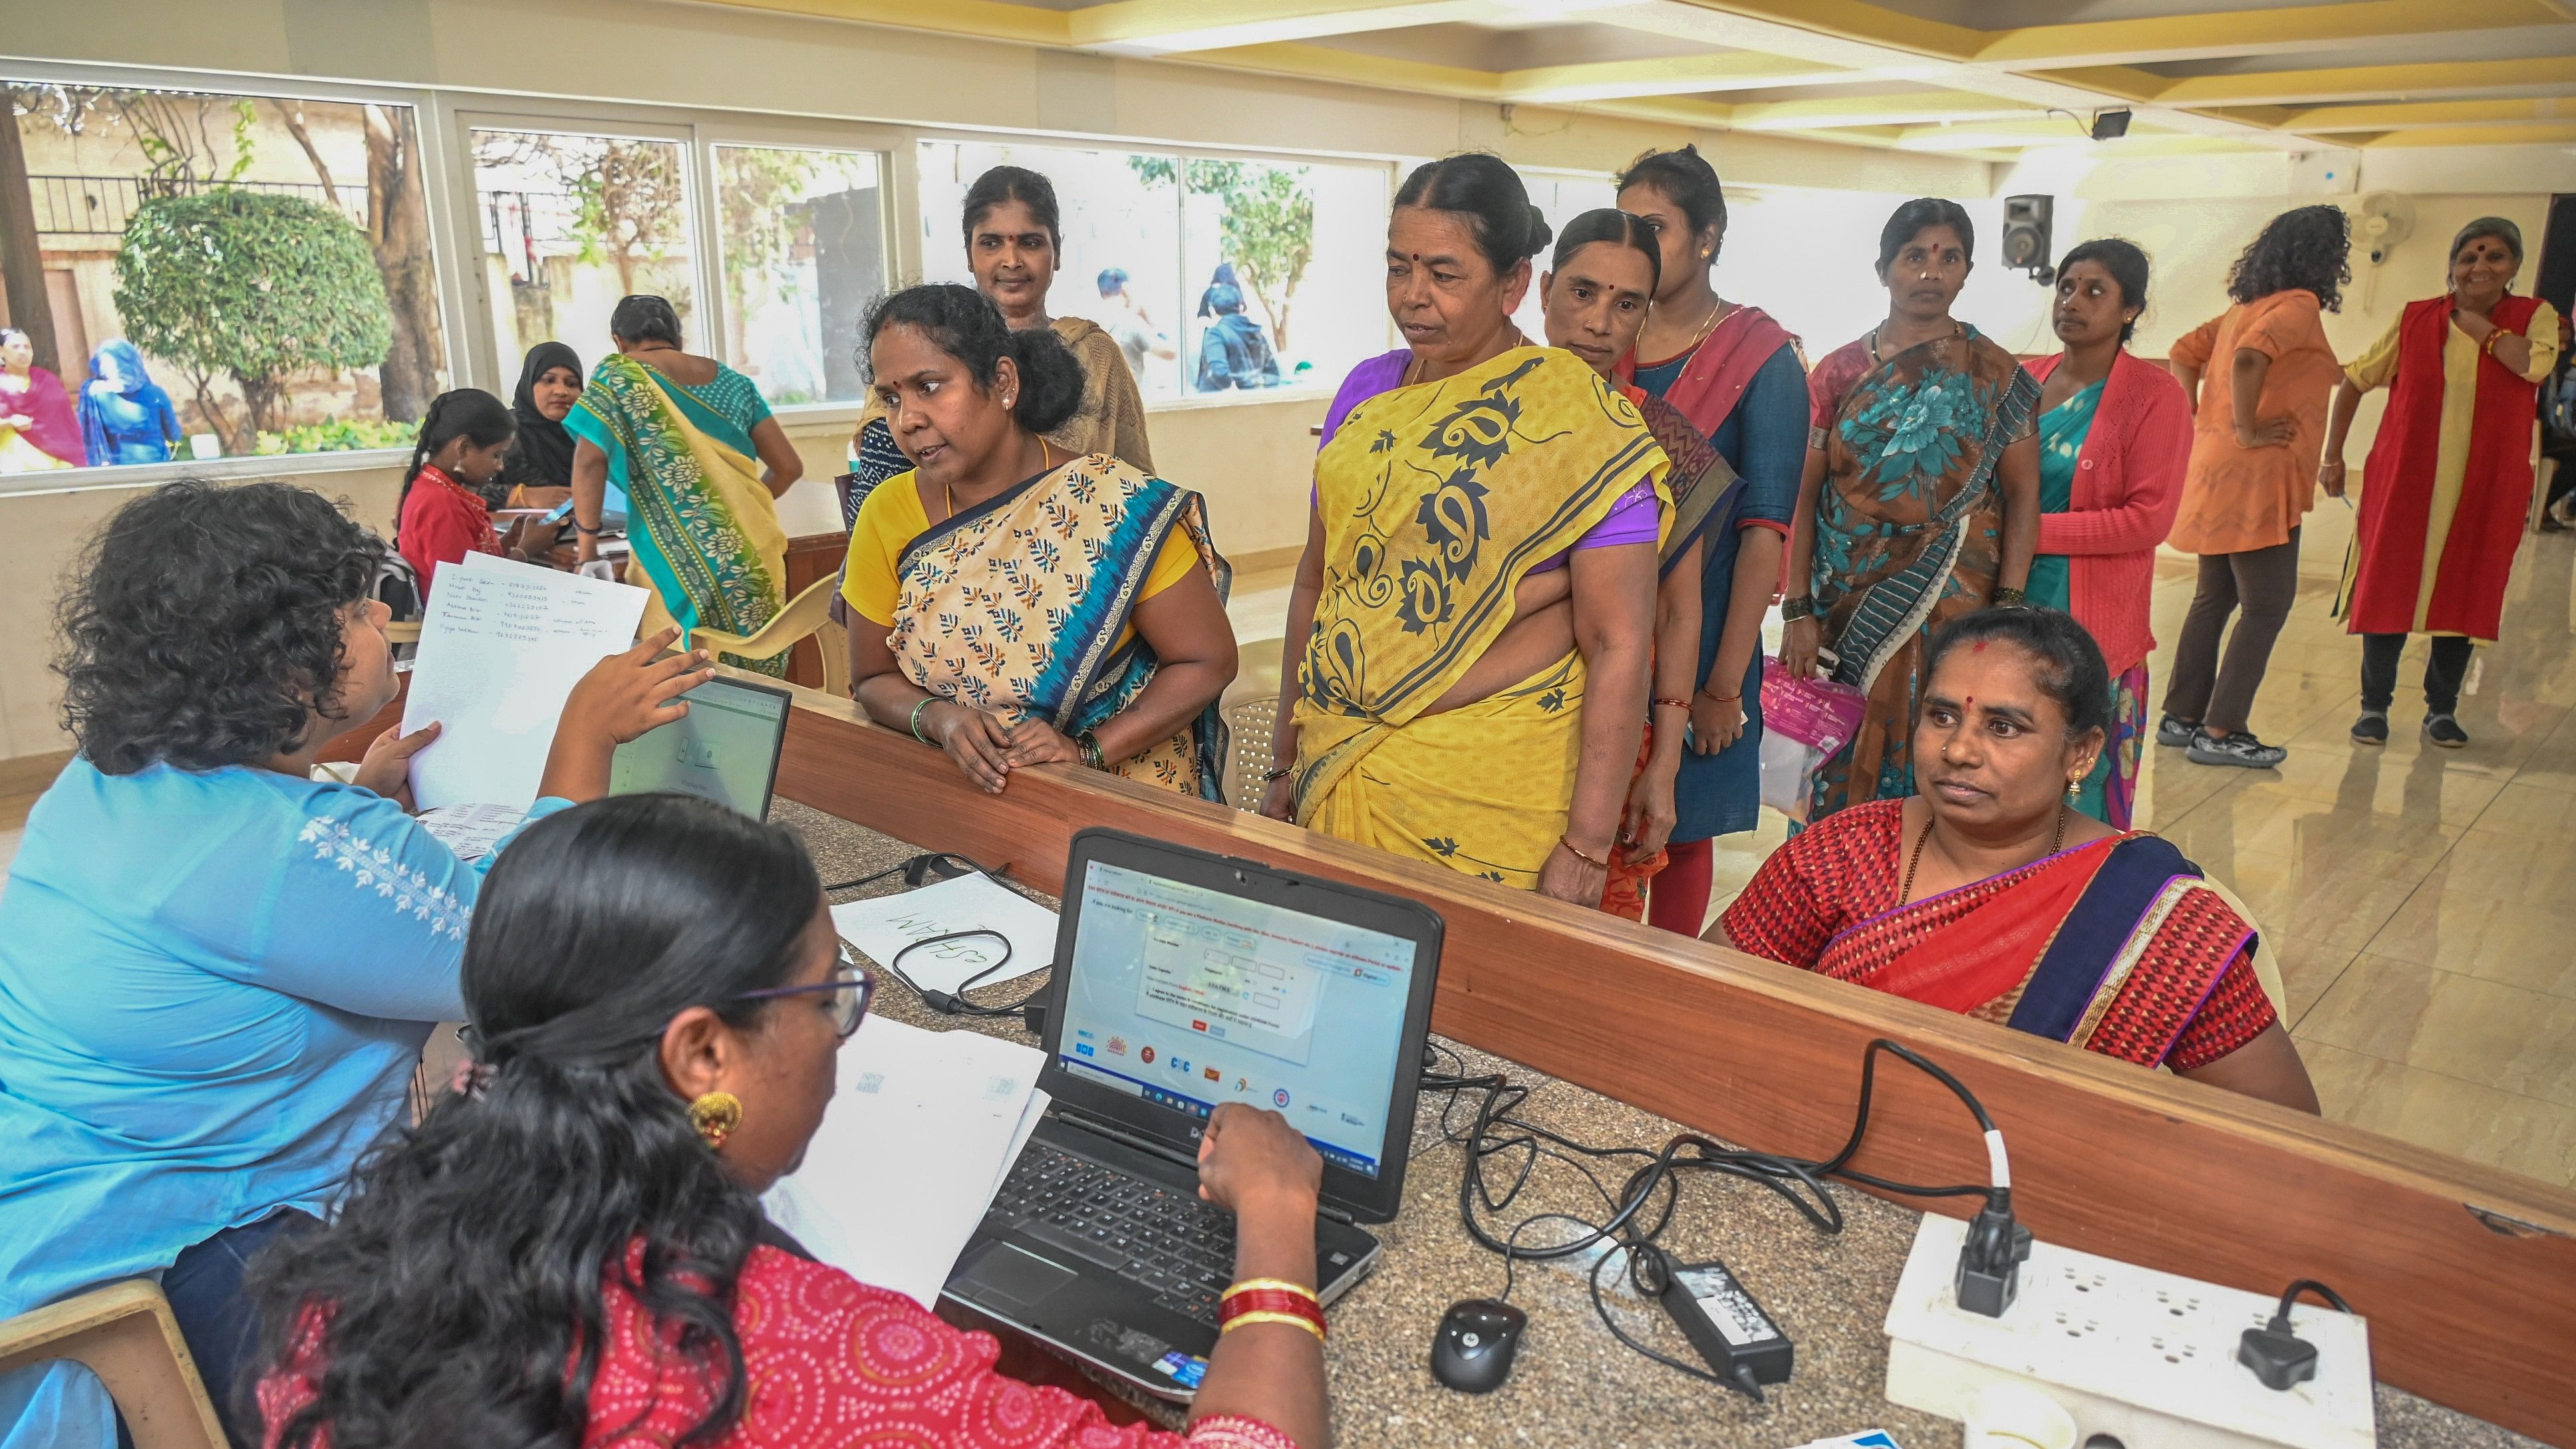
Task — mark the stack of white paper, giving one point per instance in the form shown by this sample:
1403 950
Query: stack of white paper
471 830
883 925
921 1131
501 647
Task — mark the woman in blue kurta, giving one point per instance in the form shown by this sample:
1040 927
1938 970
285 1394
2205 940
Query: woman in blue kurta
1736 376
125 416
216 973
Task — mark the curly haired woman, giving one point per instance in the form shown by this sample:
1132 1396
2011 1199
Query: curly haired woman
2253 475
216 972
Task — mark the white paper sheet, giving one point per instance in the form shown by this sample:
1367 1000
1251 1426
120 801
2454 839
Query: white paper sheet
881 926
921 1130
502 645
471 830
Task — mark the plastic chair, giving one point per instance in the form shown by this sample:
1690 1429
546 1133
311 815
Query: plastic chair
125 1334
804 616
1250 706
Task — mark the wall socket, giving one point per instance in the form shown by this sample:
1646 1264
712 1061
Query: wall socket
2145 1358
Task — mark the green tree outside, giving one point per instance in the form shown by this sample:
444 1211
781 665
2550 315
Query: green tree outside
251 285
1268 225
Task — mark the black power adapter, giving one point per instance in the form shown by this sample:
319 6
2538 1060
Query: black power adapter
1721 1319
1990 1260
2278 1357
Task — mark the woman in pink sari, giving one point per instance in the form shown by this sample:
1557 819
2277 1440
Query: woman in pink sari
38 429
1990 895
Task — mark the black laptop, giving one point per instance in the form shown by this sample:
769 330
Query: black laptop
1184 980
724 749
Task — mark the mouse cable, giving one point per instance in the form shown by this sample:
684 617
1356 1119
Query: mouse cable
948 865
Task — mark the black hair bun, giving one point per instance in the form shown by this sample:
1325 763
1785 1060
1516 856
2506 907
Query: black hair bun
1050 380
1539 232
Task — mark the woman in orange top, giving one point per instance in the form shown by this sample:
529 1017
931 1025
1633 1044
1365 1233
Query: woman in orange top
2253 475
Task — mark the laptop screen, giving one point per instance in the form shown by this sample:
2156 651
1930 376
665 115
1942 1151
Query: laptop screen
1187 996
725 749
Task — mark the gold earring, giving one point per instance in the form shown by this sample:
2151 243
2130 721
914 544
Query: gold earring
715 1115
2075 786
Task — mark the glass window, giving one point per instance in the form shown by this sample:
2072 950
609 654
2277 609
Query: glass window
572 223
1145 235
221 274
1288 265
803 246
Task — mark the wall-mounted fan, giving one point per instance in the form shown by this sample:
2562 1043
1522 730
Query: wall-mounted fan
2386 219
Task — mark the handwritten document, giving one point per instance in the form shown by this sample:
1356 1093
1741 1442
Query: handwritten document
471 830
501 647
883 925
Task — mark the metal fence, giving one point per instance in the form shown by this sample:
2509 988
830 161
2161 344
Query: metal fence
86 210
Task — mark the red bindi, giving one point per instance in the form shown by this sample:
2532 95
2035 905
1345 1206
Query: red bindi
1979 647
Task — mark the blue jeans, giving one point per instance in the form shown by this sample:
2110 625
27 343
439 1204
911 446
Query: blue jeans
219 1320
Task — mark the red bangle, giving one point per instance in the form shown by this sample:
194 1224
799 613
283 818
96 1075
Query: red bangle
1269 1305
1675 703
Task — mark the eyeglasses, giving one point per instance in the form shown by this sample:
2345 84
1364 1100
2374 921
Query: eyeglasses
847 1010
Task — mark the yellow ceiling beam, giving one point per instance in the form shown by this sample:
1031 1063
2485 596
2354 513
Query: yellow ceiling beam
1897 110
1866 24
1317 62
1665 76
2400 117
2253 32
1161 27
2543 133
986 19
2461 78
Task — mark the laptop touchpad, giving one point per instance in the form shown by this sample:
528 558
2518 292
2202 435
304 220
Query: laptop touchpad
1004 1272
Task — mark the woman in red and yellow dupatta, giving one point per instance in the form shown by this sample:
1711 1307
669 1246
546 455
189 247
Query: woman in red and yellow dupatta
2449 478
1989 895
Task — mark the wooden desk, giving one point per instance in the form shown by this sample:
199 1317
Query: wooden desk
2467 1273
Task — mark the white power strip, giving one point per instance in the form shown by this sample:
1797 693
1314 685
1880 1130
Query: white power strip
2144 1357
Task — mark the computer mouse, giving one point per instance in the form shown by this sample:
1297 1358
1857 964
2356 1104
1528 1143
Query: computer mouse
1473 1350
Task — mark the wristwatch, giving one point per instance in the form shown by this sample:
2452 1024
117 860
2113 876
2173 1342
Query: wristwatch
1801 607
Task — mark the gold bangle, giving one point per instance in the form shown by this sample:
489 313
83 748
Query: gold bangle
1249 1285
1578 854
1240 1319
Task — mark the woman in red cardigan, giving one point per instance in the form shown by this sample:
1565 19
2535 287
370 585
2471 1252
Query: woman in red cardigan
2114 437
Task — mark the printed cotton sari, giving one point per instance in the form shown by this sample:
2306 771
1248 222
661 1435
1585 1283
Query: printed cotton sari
1436 500
2118 946
702 526
1022 606
1909 528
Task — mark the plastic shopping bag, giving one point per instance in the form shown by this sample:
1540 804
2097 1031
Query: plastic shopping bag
1805 722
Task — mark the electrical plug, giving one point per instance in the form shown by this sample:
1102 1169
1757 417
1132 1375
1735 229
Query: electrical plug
1991 1258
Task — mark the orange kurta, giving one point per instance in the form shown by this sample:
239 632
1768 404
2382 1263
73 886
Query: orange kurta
2235 500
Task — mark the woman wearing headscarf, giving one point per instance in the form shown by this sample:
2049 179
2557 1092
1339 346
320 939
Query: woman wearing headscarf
2449 476
541 454
125 416
37 429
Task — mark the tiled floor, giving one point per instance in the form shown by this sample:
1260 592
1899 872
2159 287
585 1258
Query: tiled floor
2422 901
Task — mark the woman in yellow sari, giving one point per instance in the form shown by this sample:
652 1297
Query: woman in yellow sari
686 449
1014 604
1471 625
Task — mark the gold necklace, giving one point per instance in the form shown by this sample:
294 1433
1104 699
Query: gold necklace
1958 330
1717 310
1906 892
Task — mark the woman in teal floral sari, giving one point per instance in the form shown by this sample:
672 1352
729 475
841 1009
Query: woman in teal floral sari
686 448
1920 500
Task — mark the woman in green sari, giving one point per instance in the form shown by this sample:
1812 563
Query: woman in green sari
686 449
1920 500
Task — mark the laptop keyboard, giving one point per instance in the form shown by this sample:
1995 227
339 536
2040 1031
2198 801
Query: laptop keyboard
1171 1244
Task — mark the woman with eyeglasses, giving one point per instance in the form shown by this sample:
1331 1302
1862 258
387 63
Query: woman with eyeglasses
571 1249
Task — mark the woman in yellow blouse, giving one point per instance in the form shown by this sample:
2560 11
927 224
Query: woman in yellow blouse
2449 478
1017 604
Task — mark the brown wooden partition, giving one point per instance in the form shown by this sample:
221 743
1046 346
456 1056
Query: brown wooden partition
2467 1273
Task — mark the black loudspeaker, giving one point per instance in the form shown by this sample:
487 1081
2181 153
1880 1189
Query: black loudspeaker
2026 235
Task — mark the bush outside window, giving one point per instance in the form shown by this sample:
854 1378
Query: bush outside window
804 252
217 274
571 223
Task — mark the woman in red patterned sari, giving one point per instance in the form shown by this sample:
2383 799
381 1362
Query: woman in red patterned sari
1989 895
570 1250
